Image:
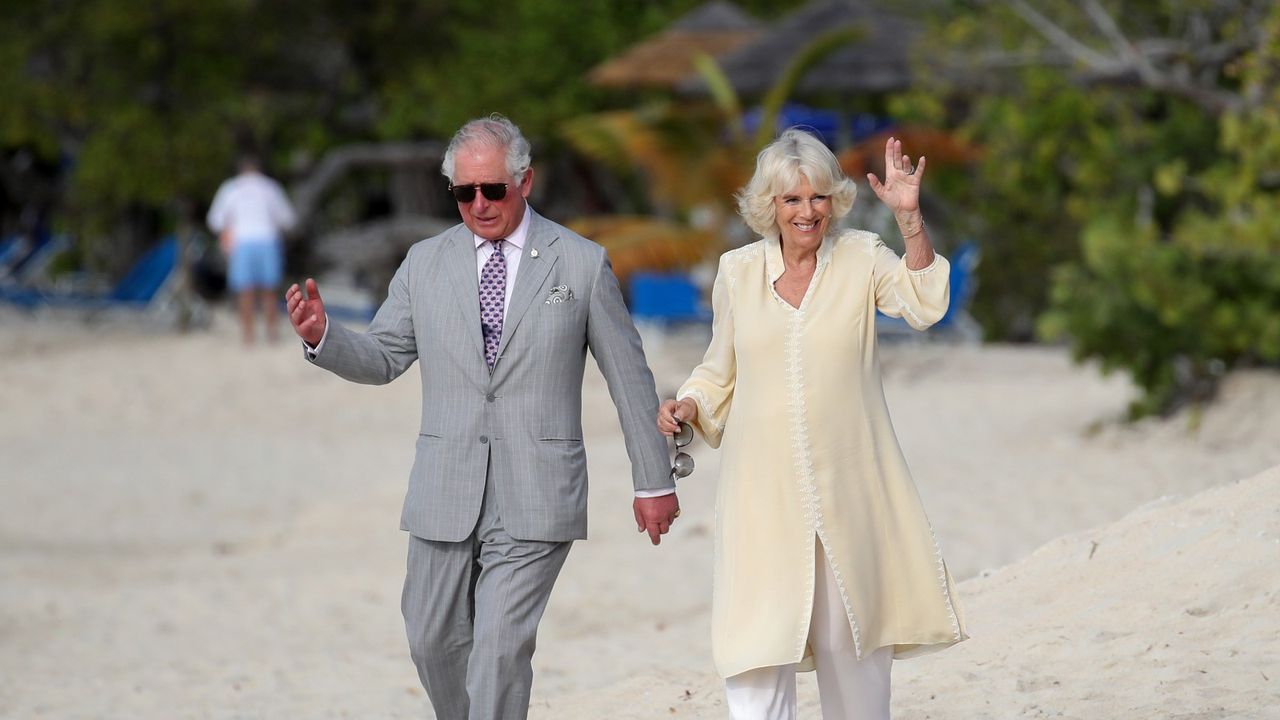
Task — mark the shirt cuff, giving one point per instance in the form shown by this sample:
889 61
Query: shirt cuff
312 352
654 493
927 268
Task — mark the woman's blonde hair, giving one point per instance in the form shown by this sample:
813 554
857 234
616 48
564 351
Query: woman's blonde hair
778 169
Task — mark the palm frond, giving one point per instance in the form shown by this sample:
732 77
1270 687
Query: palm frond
645 243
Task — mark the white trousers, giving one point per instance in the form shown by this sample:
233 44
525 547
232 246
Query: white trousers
849 688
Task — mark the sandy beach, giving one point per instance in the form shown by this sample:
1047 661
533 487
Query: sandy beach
192 529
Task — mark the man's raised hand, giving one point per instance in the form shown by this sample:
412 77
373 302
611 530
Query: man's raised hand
306 312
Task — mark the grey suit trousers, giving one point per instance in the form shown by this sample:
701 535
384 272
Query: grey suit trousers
471 612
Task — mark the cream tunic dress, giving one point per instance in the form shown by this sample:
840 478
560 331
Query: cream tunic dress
795 399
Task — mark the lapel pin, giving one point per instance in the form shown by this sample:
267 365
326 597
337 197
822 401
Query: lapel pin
533 252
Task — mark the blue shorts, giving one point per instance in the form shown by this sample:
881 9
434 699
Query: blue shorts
255 265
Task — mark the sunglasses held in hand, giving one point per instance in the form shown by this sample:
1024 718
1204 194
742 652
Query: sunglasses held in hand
683 465
492 192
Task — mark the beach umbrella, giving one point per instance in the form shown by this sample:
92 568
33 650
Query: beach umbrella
664 60
878 62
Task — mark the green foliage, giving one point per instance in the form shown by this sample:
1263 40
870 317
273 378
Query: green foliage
1055 154
149 103
1196 292
1135 219
1175 317
528 60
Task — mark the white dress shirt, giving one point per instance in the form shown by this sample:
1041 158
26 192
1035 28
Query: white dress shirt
512 249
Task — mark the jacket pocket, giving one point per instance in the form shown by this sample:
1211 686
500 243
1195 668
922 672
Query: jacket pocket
561 431
559 312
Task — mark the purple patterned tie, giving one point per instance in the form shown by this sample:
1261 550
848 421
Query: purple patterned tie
493 294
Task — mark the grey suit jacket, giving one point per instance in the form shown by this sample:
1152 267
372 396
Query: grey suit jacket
522 423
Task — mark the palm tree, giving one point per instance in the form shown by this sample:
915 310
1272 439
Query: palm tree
691 158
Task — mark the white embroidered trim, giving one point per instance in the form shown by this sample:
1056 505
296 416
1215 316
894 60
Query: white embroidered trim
704 407
805 475
926 269
905 309
744 254
844 596
871 242
946 591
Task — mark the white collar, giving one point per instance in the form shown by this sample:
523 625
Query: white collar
773 265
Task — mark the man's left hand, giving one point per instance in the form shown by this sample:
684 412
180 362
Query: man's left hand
656 515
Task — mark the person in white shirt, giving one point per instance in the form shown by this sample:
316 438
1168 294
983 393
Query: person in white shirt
250 213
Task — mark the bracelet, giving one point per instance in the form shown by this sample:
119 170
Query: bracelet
908 236
910 230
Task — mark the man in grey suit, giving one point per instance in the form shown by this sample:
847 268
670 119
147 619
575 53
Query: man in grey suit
501 311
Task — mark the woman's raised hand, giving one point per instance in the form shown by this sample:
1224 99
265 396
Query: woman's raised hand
900 191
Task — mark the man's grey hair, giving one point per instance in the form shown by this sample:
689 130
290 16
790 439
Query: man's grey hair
778 169
494 131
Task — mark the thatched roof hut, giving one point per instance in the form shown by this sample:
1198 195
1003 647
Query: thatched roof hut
879 63
666 59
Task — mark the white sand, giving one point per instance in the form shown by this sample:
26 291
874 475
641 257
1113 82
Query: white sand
1172 612
190 530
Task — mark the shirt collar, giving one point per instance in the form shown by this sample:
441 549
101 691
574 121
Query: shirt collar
773 265
516 238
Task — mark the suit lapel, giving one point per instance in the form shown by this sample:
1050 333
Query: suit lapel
531 276
460 266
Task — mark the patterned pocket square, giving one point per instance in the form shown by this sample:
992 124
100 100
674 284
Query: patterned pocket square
559 294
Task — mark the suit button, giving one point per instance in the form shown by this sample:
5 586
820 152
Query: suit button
490 397
484 439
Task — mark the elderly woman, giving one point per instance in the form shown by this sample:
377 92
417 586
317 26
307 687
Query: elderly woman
824 557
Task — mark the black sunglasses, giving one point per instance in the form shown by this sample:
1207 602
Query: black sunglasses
466 193
683 465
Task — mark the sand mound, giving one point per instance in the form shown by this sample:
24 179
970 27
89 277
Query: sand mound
1172 612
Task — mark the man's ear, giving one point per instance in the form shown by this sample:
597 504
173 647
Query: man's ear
526 183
